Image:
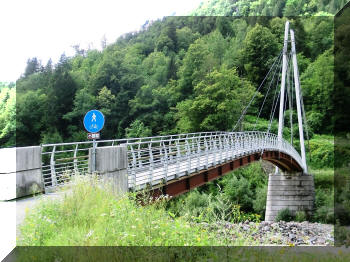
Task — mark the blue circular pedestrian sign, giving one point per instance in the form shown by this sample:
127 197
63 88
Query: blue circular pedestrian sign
94 121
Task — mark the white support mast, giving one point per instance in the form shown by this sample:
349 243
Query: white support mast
297 97
283 84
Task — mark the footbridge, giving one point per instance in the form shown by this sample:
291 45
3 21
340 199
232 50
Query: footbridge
174 164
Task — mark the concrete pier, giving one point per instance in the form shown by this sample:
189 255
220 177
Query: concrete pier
111 165
293 191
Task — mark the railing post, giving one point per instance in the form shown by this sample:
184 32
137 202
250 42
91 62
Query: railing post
139 155
206 153
134 163
232 146
239 139
220 148
151 164
170 153
213 145
52 167
188 153
198 153
178 156
75 160
226 147
93 159
165 163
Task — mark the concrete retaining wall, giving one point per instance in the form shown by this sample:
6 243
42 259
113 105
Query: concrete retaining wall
296 192
20 172
111 165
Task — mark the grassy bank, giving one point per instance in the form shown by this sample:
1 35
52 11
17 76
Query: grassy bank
91 216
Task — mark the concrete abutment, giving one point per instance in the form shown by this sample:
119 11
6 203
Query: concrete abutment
20 171
111 165
293 191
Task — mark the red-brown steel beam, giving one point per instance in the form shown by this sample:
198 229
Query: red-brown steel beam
186 183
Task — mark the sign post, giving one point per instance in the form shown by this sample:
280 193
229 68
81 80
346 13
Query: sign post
94 121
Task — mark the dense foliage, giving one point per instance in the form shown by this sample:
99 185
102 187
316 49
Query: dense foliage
178 74
269 8
7 114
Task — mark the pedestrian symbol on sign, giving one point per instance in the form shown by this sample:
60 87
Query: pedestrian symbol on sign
94 121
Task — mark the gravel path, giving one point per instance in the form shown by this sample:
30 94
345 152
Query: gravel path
277 233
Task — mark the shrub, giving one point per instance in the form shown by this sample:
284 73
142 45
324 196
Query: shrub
324 214
323 178
322 151
324 205
259 203
284 215
191 204
314 120
300 216
201 207
237 191
254 174
138 129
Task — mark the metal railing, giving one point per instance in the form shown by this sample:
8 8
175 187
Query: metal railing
159 159
61 161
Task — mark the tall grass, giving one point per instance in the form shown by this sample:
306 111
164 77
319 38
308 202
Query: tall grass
182 254
90 215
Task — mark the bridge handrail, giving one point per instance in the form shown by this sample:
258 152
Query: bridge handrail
127 139
151 152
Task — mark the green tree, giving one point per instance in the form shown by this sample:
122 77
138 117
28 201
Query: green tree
83 102
137 129
7 116
155 68
321 36
204 55
259 51
218 102
185 37
238 191
223 24
33 66
317 85
32 117
105 101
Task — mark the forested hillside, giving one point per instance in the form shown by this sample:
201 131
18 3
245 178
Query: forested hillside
178 74
269 8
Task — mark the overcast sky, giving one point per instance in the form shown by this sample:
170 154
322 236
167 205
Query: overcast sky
47 28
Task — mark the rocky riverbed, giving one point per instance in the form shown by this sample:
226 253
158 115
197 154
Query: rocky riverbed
276 233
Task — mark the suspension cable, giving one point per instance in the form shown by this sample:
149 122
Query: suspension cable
271 118
256 92
268 90
286 94
273 113
290 98
274 103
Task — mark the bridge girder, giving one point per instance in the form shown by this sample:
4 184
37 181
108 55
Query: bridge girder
184 184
